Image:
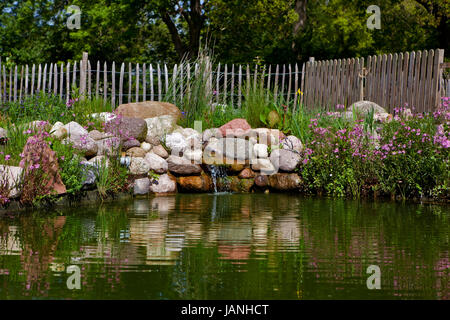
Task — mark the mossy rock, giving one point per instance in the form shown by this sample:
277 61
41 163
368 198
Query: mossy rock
241 185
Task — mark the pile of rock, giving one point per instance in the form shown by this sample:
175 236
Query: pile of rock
164 157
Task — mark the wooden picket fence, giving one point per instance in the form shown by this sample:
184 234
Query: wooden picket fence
393 80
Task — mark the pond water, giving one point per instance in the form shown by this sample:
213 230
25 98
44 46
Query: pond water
227 246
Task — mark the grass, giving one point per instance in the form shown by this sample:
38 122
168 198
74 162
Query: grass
197 94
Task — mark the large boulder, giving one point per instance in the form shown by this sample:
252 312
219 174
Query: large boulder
12 177
164 184
182 166
285 160
284 181
158 127
126 128
235 128
362 108
231 148
157 164
201 183
148 109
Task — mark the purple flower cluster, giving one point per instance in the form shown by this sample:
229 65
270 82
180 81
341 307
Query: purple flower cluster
71 102
441 138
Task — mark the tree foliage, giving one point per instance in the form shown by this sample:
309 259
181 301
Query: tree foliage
273 31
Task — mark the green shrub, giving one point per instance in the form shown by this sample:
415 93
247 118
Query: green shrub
415 155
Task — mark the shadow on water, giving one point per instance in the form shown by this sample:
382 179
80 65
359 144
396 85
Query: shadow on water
228 246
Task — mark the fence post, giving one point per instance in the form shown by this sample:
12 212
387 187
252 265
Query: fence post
83 72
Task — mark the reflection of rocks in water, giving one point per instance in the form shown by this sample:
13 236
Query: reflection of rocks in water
163 204
234 240
146 231
234 252
9 242
141 206
174 241
260 225
235 232
287 231
191 204
151 234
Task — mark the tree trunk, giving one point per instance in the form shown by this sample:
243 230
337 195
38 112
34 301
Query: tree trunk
195 20
300 9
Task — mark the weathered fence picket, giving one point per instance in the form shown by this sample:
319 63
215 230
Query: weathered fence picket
394 80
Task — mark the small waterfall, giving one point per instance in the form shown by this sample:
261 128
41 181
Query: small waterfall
218 173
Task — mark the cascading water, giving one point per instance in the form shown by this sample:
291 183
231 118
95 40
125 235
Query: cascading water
218 172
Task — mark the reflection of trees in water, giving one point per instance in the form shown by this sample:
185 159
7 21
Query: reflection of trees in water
35 241
280 243
341 241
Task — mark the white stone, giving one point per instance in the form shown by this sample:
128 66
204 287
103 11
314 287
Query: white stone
176 142
164 185
139 166
58 131
292 143
146 146
194 155
141 186
157 164
264 165
157 127
80 139
211 133
260 150
284 159
160 151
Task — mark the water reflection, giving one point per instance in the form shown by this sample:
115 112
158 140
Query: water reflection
228 246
